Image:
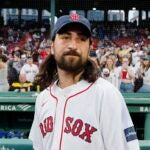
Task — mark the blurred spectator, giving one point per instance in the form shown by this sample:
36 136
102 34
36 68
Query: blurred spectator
10 35
145 73
137 54
13 76
3 49
22 85
35 56
43 53
29 70
4 85
17 61
29 45
123 52
110 72
95 60
14 67
104 57
126 75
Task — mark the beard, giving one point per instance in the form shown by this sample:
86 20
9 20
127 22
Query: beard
71 62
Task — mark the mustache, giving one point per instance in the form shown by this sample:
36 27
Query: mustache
71 52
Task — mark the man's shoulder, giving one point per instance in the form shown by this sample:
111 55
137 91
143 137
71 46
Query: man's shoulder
102 82
42 95
45 92
108 92
105 86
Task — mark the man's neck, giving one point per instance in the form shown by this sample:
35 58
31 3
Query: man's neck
66 79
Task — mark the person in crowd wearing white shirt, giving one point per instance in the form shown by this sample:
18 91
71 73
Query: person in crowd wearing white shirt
29 70
136 55
110 73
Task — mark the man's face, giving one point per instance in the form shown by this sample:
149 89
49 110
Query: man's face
71 50
30 61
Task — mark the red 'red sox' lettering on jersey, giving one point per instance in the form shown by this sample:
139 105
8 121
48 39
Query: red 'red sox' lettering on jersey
75 127
72 126
47 125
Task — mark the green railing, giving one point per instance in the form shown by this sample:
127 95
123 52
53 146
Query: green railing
15 144
25 144
9 101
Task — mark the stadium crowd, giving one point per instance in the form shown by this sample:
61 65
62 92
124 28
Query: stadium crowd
121 53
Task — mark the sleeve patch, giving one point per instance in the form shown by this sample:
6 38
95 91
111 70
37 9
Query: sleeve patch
130 134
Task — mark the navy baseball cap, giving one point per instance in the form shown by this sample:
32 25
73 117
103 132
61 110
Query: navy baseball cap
73 18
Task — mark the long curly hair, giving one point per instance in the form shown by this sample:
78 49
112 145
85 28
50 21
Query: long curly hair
48 72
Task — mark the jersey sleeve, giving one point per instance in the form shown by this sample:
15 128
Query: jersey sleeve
116 126
35 134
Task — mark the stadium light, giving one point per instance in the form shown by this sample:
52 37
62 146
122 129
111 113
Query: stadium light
133 8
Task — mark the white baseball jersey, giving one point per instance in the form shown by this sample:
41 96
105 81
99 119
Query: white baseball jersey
83 116
30 71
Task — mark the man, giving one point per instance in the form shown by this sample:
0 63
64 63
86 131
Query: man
29 70
78 111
